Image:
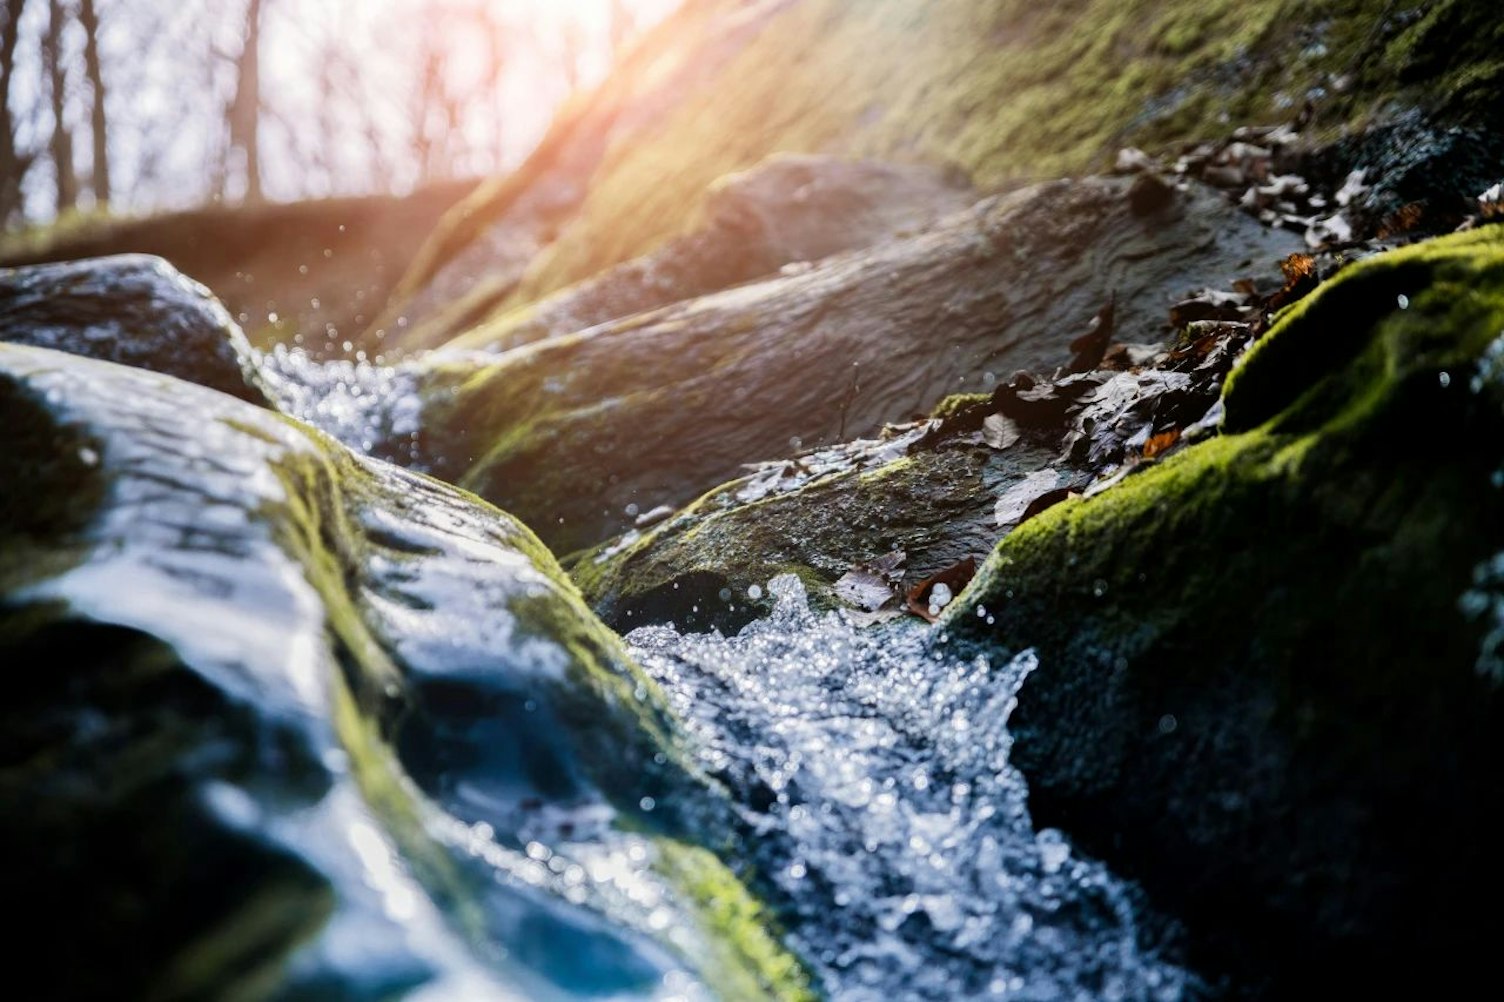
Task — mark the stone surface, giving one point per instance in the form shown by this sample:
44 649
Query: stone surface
314 726
786 212
658 408
1269 678
132 309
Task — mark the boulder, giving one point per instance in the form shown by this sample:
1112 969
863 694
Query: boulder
786 212
1000 88
1269 681
132 309
652 410
285 721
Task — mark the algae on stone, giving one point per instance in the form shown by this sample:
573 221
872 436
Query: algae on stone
276 652
1257 689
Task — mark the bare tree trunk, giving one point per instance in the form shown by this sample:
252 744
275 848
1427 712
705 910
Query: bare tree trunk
11 167
245 110
428 104
61 147
623 27
89 18
572 53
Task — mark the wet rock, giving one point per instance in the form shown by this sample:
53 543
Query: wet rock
1266 686
132 309
657 408
317 727
820 517
1436 167
788 211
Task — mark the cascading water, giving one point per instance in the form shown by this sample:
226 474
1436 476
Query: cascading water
871 769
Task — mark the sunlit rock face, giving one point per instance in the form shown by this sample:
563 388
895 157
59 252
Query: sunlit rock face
286 721
133 309
655 409
784 213
1000 88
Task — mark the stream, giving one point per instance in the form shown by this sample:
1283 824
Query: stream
874 801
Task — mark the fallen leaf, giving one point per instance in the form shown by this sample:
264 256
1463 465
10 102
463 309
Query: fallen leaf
928 598
1161 443
862 620
1091 346
890 564
864 590
870 586
653 517
1016 500
999 432
1046 501
1405 219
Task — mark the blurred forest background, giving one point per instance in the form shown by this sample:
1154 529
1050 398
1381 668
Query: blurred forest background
134 106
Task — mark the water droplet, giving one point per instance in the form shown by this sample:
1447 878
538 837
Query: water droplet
1445 379
1404 301
1168 723
755 592
647 803
88 456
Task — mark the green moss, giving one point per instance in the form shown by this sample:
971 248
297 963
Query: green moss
958 402
1287 596
747 962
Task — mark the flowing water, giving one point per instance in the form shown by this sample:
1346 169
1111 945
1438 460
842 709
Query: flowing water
869 768
856 779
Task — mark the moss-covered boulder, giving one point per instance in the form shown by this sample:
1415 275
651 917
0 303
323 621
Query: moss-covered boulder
1004 89
286 722
574 432
132 309
819 517
787 211
1269 674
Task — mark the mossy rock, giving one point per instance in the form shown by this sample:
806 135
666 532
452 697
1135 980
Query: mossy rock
655 409
1268 681
270 696
701 568
132 309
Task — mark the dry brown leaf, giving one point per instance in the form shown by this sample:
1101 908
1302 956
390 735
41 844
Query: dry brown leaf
1000 432
1161 443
